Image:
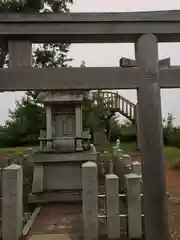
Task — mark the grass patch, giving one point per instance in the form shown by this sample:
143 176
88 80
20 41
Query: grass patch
19 149
128 147
172 156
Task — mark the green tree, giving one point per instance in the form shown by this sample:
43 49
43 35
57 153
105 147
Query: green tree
168 126
24 123
169 131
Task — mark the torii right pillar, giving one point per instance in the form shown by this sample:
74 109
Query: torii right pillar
151 139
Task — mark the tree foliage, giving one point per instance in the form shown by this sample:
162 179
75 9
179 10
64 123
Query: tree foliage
24 123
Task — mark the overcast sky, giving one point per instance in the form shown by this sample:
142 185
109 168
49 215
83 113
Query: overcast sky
109 54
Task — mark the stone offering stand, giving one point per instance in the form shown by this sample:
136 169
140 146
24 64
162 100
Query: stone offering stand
62 148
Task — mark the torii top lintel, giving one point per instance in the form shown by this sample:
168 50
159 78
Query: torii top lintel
90 27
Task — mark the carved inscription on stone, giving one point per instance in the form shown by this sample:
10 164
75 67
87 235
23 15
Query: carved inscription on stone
150 76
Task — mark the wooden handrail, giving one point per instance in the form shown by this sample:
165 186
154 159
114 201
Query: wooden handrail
115 101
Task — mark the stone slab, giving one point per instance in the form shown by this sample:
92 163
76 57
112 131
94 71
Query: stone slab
60 97
59 175
91 27
77 78
30 222
62 176
20 53
68 157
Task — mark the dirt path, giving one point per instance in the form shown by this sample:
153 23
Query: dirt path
173 188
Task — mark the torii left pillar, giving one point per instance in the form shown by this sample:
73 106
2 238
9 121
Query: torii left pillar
151 139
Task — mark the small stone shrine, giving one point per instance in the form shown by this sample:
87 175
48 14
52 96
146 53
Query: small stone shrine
64 147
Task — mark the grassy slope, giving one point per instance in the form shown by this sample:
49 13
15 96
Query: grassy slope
19 149
172 155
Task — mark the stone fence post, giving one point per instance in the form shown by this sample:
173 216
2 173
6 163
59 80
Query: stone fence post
133 192
90 200
12 202
127 159
112 206
136 167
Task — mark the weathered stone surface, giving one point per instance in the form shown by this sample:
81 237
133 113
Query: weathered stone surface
91 27
120 169
134 205
61 172
127 160
65 123
68 157
112 206
20 53
90 200
79 126
62 176
38 178
127 62
64 144
12 202
136 168
73 78
60 97
151 138
49 125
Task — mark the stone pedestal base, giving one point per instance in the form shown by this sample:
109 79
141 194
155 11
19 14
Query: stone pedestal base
58 177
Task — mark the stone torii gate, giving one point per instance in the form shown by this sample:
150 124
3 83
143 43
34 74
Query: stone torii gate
145 29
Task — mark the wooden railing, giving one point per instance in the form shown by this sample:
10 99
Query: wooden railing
118 103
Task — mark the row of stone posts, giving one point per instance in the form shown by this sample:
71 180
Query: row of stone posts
113 212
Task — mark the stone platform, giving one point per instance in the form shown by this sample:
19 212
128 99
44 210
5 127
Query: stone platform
57 177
